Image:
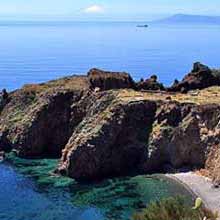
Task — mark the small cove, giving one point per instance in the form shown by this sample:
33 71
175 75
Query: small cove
29 191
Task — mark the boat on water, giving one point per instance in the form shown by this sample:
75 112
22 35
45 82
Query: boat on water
143 26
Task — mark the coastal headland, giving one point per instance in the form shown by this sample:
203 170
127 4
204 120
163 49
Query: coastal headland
105 124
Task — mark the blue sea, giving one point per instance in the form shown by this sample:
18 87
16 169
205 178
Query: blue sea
28 191
33 52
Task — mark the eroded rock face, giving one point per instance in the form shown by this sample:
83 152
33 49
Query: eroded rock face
110 142
212 165
5 144
49 127
44 129
141 136
39 119
163 148
105 80
200 77
108 133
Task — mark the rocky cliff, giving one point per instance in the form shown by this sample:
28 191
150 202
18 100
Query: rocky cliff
142 133
100 126
38 119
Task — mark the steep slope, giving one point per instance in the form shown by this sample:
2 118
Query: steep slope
37 119
143 133
116 132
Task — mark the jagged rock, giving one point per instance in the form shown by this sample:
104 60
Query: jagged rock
4 99
169 126
212 165
110 142
150 84
48 127
39 119
5 143
135 135
200 77
186 147
105 80
104 133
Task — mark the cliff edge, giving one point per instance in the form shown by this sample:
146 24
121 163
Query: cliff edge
104 124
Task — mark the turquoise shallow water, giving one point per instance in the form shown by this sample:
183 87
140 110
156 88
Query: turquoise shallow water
29 192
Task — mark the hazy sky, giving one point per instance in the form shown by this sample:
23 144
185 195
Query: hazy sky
104 9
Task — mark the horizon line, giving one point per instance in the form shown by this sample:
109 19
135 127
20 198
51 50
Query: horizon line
100 20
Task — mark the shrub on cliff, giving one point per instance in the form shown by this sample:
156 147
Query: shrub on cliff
173 209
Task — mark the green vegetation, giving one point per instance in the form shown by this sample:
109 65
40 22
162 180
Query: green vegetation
67 83
175 209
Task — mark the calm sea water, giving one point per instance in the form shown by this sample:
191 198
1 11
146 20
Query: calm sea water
37 52
29 192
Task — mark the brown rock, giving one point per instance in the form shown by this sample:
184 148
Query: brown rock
150 84
109 80
39 119
105 133
136 135
199 78
111 142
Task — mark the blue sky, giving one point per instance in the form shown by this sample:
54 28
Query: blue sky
104 9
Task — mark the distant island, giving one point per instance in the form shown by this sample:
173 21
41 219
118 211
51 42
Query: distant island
185 18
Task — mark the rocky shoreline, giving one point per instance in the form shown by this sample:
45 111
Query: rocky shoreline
105 124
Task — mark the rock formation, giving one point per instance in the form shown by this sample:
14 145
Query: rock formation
150 84
109 141
109 80
3 99
100 126
200 77
39 119
142 136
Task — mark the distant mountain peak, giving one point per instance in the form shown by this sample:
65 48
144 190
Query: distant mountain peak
187 18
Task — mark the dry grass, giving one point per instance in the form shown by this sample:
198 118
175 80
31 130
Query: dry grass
68 83
207 96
